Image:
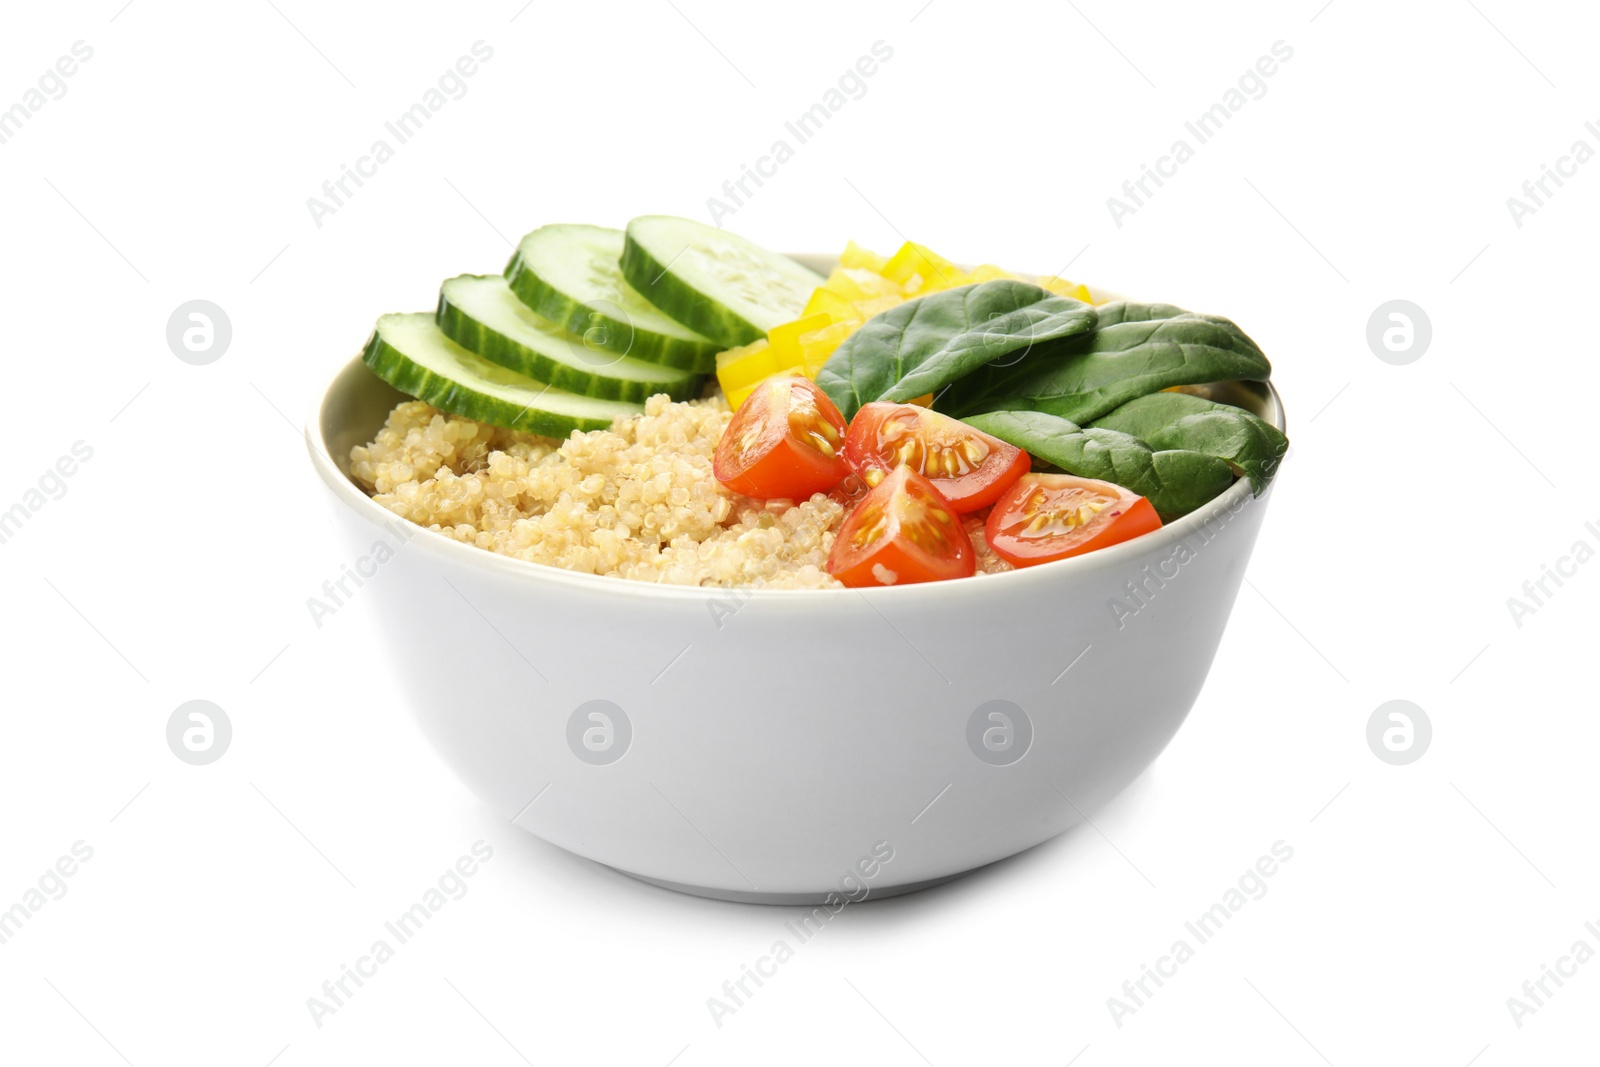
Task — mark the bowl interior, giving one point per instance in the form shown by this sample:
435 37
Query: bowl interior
353 410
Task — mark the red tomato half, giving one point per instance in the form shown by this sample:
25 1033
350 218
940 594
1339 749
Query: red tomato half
1044 517
903 531
783 442
968 467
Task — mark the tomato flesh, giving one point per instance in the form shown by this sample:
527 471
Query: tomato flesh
1044 517
902 532
968 467
849 492
784 441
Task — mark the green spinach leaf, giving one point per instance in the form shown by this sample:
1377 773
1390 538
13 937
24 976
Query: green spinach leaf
1135 349
1176 481
927 343
1178 420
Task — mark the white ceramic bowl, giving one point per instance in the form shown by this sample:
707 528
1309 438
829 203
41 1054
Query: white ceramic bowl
776 745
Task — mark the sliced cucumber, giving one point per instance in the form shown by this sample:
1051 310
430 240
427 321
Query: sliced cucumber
412 354
569 274
715 282
482 314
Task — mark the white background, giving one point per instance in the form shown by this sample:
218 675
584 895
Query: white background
1417 499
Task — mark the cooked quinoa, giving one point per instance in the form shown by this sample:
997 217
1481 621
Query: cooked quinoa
636 501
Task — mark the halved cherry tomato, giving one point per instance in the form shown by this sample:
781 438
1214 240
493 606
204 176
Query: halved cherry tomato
1044 517
783 442
849 492
970 468
903 531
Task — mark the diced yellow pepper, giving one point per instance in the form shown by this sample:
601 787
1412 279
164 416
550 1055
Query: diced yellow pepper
877 305
744 366
829 303
923 401
738 396
1061 287
939 280
856 256
741 393
988 272
785 339
863 285
739 354
818 345
913 258
853 283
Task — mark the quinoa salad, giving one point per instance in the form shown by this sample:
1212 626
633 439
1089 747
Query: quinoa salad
674 403
635 501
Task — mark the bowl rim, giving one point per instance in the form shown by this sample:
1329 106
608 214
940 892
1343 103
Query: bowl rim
494 564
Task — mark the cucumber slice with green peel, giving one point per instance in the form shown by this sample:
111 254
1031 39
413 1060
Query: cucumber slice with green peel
717 283
569 274
482 314
412 354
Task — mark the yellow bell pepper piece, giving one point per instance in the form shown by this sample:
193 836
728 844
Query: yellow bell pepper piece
829 303
737 397
913 258
739 394
818 345
785 339
877 305
940 280
745 365
856 256
853 283
988 272
1061 287
744 360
